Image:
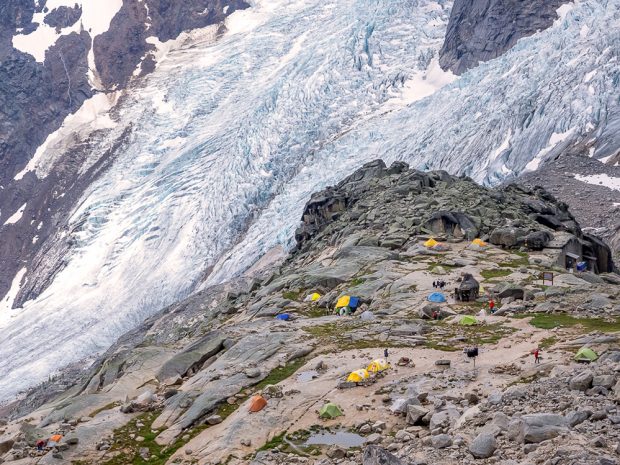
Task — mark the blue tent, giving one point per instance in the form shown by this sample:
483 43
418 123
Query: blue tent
354 302
437 297
283 317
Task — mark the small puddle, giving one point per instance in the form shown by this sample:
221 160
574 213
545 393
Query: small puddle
337 438
306 376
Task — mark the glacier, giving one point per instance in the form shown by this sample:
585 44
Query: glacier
229 137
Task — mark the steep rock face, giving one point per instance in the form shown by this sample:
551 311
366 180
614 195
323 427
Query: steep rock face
136 21
480 30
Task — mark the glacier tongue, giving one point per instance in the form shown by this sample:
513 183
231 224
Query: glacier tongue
228 140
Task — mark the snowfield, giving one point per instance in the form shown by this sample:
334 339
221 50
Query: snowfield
230 139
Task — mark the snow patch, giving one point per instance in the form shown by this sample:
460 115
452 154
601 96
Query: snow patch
15 217
425 83
96 18
92 115
563 11
554 140
603 180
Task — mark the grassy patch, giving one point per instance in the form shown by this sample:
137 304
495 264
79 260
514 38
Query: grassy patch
109 406
281 373
315 312
276 441
467 336
562 320
291 295
548 342
127 448
357 281
339 334
516 263
499 273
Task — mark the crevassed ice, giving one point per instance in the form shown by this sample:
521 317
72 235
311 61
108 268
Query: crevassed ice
229 140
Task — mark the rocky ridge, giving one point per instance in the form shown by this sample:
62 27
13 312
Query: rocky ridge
177 389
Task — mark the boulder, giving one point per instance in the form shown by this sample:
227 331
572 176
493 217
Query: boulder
507 237
441 441
415 413
582 381
540 427
577 417
374 455
606 381
538 240
483 446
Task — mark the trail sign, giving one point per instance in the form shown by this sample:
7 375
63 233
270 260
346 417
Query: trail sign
547 278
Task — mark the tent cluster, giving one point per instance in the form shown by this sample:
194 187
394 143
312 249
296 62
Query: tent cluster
378 365
347 304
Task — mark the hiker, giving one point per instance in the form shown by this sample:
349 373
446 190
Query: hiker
492 306
536 355
435 315
41 443
434 284
386 354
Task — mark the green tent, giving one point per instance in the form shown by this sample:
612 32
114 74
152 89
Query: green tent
585 354
330 411
468 320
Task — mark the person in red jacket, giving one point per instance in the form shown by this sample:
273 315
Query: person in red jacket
536 355
492 306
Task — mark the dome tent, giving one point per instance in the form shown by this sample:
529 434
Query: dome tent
437 297
358 376
585 354
378 365
468 320
431 243
330 410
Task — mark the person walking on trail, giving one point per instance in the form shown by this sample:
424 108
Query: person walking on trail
492 306
536 355
386 354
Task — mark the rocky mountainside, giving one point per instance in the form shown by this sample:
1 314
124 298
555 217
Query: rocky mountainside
178 389
481 30
590 187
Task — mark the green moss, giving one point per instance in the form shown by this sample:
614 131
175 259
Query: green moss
291 295
336 334
558 320
516 263
109 406
281 373
468 336
548 342
127 448
357 281
276 441
315 312
497 273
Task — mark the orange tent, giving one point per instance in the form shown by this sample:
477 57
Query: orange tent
257 403
56 438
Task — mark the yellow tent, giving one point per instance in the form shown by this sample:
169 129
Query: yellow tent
312 297
343 301
358 375
378 365
431 243
479 243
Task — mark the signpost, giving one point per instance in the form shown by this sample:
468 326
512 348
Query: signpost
547 278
